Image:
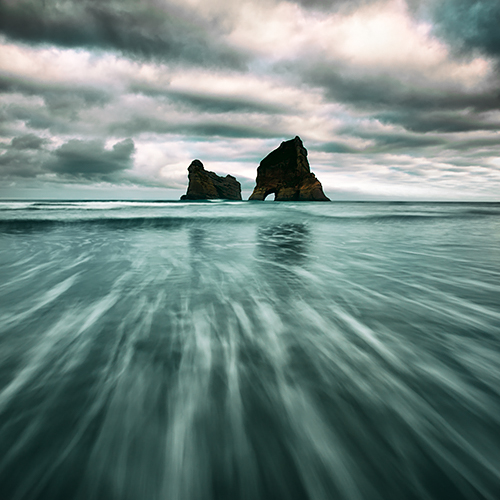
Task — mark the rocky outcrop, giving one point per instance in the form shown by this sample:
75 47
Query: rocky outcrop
205 185
286 173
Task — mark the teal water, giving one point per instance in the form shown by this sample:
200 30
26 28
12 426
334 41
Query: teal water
238 350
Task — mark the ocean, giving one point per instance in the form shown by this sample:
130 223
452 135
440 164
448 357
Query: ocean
241 350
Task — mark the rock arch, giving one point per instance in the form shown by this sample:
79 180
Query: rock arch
286 172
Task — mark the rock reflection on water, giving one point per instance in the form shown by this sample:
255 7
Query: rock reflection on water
281 255
286 357
285 243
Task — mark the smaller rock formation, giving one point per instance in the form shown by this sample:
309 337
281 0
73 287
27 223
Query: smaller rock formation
286 173
205 185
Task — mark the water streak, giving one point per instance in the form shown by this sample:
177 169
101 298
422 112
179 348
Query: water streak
188 351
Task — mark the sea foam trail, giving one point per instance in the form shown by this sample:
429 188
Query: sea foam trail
250 351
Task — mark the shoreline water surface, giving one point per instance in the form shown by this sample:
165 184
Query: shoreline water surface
235 350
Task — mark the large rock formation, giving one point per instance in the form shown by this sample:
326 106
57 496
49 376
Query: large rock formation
205 185
286 173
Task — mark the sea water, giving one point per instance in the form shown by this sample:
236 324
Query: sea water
239 350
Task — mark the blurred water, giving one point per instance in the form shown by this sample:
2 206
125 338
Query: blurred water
236 350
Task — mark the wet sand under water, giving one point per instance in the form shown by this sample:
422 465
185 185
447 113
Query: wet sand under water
249 351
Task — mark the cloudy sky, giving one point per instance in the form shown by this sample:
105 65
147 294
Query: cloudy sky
394 99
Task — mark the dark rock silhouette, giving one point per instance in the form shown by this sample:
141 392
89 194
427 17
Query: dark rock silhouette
286 173
205 185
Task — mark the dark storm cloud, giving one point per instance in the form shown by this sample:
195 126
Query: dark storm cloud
211 103
28 141
388 91
39 117
486 146
144 29
383 142
462 163
27 156
229 130
23 156
90 159
59 97
441 121
216 104
214 129
20 163
401 142
59 108
334 147
417 108
469 24
334 5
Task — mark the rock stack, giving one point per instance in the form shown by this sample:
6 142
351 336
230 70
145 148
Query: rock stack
286 173
205 185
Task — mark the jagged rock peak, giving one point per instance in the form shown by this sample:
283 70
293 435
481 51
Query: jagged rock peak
286 173
205 185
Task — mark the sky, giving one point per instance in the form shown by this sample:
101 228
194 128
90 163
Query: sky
393 99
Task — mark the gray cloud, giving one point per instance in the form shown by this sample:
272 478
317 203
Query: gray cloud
230 130
23 156
38 117
201 128
396 142
65 111
334 5
439 121
401 142
334 147
27 157
28 141
405 141
367 116
395 99
205 102
44 105
390 91
90 159
19 164
487 146
469 24
61 99
145 29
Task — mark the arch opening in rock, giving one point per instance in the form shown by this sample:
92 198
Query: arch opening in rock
269 192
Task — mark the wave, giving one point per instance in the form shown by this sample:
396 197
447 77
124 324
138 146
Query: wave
41 215
417 215
81 205
22 225
167 222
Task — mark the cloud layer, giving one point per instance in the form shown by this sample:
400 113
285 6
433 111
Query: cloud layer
392 98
